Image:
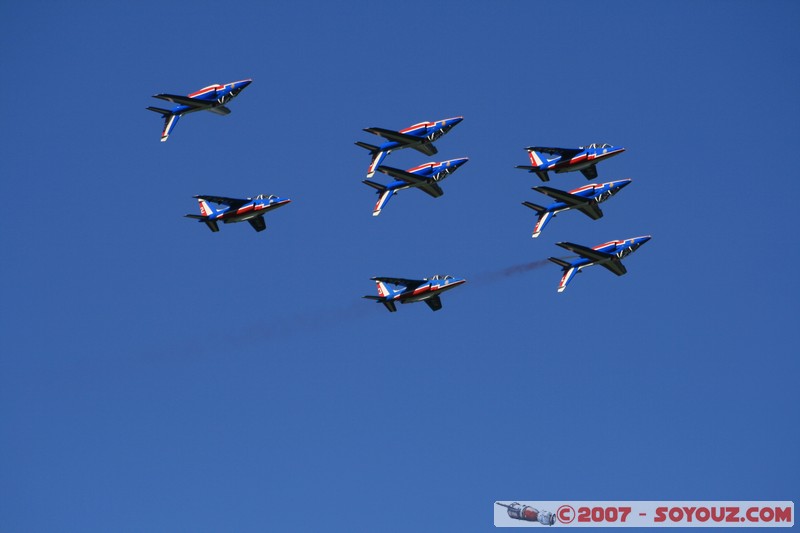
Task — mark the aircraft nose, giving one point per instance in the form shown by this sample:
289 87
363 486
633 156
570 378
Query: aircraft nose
623 183
244 83
454 121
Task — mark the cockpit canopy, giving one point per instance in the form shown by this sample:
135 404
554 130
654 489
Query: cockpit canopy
441 277
266 197
598 145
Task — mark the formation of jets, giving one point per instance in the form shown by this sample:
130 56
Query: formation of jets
585 199
426 177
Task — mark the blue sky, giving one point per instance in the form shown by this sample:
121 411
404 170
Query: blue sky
158 377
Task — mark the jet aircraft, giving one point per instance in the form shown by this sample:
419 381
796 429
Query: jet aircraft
414 290
584 158
585 199
237 210
420 137
608 255
212 98
424 177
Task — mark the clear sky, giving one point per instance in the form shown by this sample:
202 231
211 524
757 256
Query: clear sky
155 376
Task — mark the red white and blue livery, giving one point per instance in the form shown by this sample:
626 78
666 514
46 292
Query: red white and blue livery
608 255
250 210
420 137
425 290
425 177
212 98
583 158
585 199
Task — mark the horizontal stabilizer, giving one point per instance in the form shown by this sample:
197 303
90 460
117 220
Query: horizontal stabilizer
164 112
372 148
560 262
375 185
541 173
212 225
390 305
537 208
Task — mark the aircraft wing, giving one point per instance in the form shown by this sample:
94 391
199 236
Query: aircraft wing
408 283
616 266
586 252
590 173
184 100
395 136
586 206
220 110
425 184
233 202
258 223
565 153
426 148
434 303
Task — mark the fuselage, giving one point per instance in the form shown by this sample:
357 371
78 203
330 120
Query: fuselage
429 289
252 209
596 192
431 171
216 94
619 249
426 131
585 159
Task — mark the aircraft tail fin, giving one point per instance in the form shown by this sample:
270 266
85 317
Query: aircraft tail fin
569 272
385 195
566 278
544 217
377 156
383 199
537 159
205 208
170 120
383 292
377 159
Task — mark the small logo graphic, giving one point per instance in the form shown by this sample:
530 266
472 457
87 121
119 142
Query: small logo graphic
529 514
